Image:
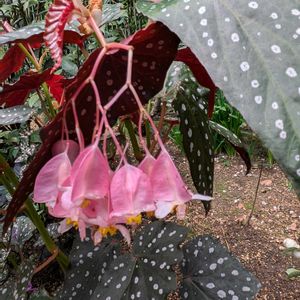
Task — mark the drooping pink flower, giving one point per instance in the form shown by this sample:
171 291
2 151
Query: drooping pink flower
90 175
169 190
147 164
51 177
130 192
63 145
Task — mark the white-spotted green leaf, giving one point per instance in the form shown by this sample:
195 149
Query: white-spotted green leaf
251 50
14 115
16 287
146 273
234 141
22 231
111 12
190 102
88 264
211 272
53 232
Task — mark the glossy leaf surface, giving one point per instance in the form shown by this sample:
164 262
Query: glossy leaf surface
211 272
251 50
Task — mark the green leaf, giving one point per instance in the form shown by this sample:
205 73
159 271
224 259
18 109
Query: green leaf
292 273
211 272
16 286
251 50
112 12
14 115
190 102
89 263
234 141
147 272
68 66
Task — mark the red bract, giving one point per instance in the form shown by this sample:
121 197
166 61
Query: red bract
16 94
189 58
11 62
56 19
155 48
56 87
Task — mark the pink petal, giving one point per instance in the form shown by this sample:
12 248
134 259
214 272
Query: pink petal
97 237
50 177
163 209
166 181
62 145
180 211
64 227
130 192
125 232
90 175
147 164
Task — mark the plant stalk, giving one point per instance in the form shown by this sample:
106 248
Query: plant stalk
10 181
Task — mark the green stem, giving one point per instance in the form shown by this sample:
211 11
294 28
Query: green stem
136 149
44 85
10 181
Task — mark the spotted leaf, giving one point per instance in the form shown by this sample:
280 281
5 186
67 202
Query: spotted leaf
33 33
211 272
186 56
147 273
155 48
11 62
16 287
190 102
251 50
234 141
22 231
89 264
16 114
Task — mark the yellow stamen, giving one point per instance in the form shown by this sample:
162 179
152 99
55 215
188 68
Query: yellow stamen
105 231
85 203
73 223
134 220
150 214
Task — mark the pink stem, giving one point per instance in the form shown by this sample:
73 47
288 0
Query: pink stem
103 112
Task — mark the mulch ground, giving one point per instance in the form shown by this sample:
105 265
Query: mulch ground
276 216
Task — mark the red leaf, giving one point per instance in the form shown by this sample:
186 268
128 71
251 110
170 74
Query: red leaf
188 57
56 87
11 62
56 19
16 94
154 50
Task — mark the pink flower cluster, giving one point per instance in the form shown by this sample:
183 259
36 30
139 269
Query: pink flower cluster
80 187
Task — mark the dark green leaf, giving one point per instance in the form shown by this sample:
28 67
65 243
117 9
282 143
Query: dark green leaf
89 263
147 272
251 50
211 272
190 102
112 12
234 141
16 114
16 287
69 66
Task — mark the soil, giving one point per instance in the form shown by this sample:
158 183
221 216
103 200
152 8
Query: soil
276 217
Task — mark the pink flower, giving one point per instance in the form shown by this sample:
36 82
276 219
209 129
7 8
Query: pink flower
169 190
69 145
51 177
130 192
90 175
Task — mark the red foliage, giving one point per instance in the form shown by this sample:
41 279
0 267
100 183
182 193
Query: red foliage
11 62
56 19
189 58
16 94
155 48
56 87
